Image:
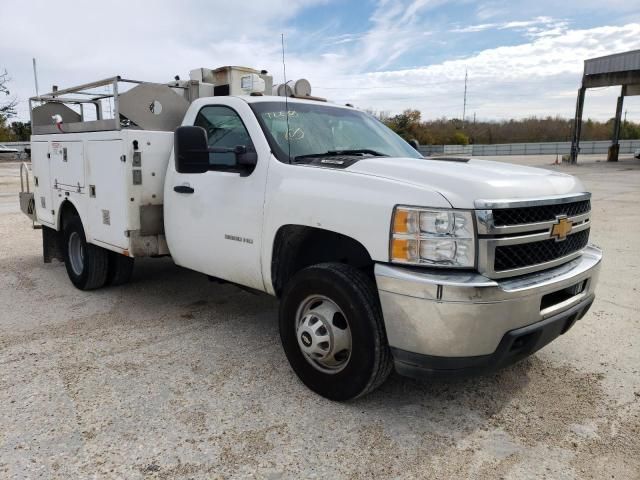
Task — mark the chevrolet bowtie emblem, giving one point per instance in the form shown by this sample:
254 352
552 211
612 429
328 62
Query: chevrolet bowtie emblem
561 229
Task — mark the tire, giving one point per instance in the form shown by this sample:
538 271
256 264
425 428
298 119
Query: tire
120 269
86 270
322 288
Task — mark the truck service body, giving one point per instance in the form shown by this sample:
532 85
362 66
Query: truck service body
381 258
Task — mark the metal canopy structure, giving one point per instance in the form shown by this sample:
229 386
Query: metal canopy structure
619 69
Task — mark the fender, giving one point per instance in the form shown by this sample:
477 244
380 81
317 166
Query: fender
348 203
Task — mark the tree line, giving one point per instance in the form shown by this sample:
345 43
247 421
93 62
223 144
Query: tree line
444 131
14 131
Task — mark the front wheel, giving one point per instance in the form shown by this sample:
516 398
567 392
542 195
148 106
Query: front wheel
332 331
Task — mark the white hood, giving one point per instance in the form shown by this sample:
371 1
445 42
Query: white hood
463 182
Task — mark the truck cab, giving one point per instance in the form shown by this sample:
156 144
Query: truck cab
382 259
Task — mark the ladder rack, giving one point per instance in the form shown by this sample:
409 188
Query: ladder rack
135 104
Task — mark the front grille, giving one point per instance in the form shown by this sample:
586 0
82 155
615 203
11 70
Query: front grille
543 213
509 257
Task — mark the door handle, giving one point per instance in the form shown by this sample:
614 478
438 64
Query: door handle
183 189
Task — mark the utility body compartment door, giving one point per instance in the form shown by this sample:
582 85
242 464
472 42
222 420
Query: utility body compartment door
107 192
41 167
67 165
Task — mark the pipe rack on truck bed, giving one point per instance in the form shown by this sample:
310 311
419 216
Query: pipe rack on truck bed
125 103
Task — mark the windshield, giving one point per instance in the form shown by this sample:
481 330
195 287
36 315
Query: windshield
317 129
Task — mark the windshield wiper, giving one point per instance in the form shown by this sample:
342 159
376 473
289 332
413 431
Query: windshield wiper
337 153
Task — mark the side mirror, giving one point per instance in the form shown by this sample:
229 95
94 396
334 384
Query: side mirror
414 143
244 158
191 149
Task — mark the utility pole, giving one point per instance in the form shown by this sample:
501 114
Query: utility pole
464 105
35 76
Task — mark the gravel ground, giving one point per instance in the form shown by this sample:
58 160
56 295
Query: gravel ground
175 377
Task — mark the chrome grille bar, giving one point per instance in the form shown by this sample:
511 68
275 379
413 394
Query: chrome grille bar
532 202
487 227
491 236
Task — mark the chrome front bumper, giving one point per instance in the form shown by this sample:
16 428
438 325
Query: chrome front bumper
444 314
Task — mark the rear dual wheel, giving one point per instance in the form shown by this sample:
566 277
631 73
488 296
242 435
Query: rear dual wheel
89 266
332 331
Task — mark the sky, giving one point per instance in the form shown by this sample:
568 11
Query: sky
522 58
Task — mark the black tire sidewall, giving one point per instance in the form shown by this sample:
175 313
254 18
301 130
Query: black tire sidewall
360 312
75 225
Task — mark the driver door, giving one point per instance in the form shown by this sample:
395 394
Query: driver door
213 220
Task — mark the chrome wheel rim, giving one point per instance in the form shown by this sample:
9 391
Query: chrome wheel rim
76 253
323 334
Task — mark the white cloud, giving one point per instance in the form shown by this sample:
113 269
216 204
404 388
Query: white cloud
539 26
343 38
481 27
511 81
397 27
75 43
527 23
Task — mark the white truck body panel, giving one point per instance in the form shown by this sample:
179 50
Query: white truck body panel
217 230
67 164
101 165
319 197
96 173
43 191
461 183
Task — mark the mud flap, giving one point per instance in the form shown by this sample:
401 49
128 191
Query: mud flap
51 245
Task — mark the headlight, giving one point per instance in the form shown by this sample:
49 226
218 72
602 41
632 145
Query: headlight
433 237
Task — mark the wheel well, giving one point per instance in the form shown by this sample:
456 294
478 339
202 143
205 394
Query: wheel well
296 247
66 211
52 240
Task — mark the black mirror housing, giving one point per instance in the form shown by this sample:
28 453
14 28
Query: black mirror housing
191 150
247 159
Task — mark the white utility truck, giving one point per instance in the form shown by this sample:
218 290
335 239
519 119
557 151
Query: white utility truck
381 258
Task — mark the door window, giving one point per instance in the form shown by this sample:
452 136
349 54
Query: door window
224 129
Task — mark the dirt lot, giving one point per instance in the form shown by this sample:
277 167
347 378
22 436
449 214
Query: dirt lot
176 377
